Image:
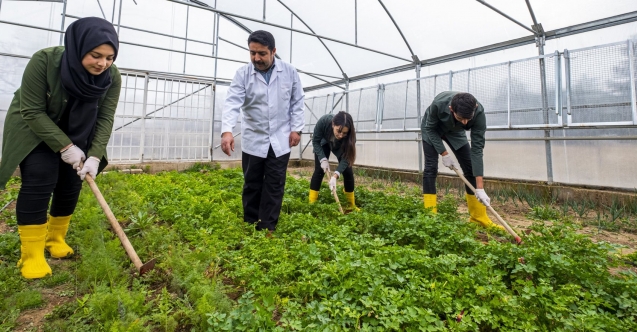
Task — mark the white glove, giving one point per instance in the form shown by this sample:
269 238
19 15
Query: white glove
90 167
448 161
333 183
325 165
482 197
73 156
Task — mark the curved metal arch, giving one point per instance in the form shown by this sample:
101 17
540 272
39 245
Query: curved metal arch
321 40
248 30
413 56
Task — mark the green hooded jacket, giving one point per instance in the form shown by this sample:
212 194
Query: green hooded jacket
438 121
37 107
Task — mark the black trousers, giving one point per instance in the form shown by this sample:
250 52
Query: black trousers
44 174
263 188
463 155
317 177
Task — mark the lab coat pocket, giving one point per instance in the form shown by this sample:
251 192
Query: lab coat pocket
285 92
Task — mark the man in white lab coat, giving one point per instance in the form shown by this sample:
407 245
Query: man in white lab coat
269 93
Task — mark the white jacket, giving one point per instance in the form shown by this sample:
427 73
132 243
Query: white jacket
270 112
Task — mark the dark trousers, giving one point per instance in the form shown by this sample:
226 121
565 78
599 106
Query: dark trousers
317 177
264 183
44 174
463 155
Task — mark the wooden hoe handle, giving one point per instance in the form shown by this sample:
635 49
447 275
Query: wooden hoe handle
128 247
518 240
340 208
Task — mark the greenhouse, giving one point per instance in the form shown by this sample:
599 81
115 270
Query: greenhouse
558 85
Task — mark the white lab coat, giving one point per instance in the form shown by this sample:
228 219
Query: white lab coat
270 112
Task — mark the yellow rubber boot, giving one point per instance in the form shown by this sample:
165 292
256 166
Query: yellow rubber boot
478 212
430 201
32 263
313 196
352 201
55 243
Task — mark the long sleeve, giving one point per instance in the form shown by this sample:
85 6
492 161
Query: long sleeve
33 103
319 130
105 116
234 101
297 105
342 165
430 126
478 131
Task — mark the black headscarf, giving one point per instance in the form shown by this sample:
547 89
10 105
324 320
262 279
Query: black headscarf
84 89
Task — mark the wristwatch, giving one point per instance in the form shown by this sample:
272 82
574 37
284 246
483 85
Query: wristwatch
299 132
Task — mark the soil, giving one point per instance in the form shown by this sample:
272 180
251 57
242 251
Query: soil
33 319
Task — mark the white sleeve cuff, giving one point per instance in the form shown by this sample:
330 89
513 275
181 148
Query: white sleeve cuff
338 175
320 161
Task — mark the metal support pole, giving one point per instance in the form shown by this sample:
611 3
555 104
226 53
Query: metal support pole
418 112
143 124
291 32
119 17
0 6
264 10
355 22
545 113
468 79
567 73
406 103
113 13
214 87
450 80
186 40
347 96
509 94
558 87
633 96
63 19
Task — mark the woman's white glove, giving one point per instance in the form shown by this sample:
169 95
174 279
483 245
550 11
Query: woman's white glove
325 165
73 156
448 161
333 183
482 197
90 166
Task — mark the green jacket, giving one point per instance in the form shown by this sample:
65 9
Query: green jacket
322 133
37 107
438 121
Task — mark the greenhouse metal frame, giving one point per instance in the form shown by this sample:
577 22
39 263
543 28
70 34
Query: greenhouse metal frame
175 117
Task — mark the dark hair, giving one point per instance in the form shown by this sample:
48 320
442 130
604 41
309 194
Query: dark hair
262 37
344 119
464 104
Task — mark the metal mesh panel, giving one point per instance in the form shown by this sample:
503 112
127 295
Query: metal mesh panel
527 105
340 101
412 122
460 81
441 84
190 126
173 123
125 141
394 106
489 86
427 93
365 115
600 85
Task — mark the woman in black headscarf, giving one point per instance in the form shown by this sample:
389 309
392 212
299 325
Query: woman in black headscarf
62 115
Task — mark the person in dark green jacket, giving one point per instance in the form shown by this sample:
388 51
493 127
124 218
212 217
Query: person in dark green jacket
62 113
447 119
335 134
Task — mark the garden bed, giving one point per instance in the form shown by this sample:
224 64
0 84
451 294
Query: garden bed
391 267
